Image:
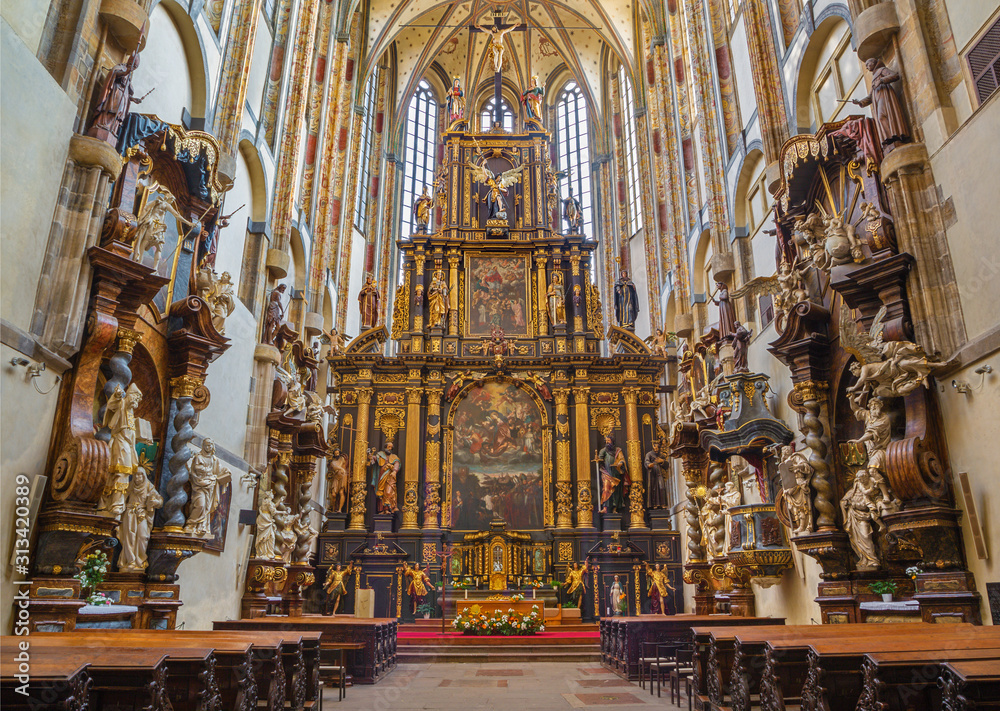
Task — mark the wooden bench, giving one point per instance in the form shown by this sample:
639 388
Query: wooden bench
65 682
970 684
895 681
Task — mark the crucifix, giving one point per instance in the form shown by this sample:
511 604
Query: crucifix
496 33
446 552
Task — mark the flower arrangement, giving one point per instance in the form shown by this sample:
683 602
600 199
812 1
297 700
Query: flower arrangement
91 575
913 571
622 603
536 584
517 597
464 584
509 623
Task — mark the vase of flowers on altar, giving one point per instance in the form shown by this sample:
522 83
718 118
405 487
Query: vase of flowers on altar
499 622
91 575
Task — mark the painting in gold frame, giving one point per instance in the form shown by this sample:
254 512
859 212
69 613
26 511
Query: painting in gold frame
499 294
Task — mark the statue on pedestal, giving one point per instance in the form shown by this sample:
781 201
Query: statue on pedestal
419 582
556 294
456 102
886 109
498 187
616 597
658 587
422 210
141 501
656 489
207 476
264 543
119 418
368 300
626 301
386 470
614 477
114 101
275 314
798 499
335 588
573 584
573 214
437 300
532 100
285 535
727 313
340 481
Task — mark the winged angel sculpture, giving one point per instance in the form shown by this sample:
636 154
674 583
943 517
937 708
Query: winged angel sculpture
498 185
787 288
883 368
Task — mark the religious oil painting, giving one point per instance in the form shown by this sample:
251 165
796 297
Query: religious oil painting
220 520
498 295
497 459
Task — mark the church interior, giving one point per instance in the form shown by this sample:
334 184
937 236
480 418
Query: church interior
380 350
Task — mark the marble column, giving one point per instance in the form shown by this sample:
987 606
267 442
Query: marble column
180 433
411 472
636 491
119 375
584 493
358 481
564 481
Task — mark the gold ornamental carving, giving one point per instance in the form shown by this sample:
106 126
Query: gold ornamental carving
390 420
392 378
401 308
184 386
565 551
127 339
605 419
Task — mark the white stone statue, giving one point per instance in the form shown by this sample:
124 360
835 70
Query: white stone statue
285 532
264 543
119 418
222 298
137 522
859 511
841 240
799 497
296 399
207 476
710 518
305 536
151 228
731 495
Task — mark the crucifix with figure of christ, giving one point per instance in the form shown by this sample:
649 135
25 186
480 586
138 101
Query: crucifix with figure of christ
497 31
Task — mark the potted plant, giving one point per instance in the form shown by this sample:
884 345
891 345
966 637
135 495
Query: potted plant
425 609
570 611
91 575
885 588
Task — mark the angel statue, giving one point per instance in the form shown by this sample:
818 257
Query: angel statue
498 185
787 289
883 368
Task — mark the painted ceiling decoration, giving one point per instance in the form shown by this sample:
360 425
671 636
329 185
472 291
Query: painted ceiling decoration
575 34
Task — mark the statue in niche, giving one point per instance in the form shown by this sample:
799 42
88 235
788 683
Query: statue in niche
285 531
339 479
617 598
573 584
656 473
264 545
437 300
727 313
532 100
151 227
335 587
573 214
207 476
556 294
498 185
422 210
305 536
614 476
798 498
626 301
456 102
741 348
659 584
386 465
275 314
114 101
886 109
859 511
419 583
141 501
119 419
368 300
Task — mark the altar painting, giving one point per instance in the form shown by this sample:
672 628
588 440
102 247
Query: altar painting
497 459
499 295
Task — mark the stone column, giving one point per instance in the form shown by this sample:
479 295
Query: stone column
584 494
432 457
636 489
358 482
411 473
564 481
543 318
266 358
180 433
121 375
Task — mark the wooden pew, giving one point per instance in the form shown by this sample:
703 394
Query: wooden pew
895 681
834 679
52 681
970 684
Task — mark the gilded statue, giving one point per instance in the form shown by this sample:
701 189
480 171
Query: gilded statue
285 536
532 100
419 583
141 502
614 477
798 498
422 210
712 518
119 419
886 109
335 587
339 479
266 535
207 476
386 465
659 584
498 186
574 585
437 299
556 294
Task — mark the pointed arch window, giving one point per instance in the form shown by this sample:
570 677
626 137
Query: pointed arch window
364 166
631 147
573 146
486 115
418 152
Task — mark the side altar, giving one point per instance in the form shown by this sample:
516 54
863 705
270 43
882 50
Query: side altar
498 430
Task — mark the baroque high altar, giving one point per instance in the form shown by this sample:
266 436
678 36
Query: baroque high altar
481 439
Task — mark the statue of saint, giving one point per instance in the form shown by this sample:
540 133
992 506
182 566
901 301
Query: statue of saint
727 314
222 298
574 583
335 588
437 299
339 481
419 582
387 466
285 535
886 110
741 347
798 498
456 102
275 314
119 418
857 508
731 496
877 435
656 490
114 101
368 300
573 214
422 210
495 46
207 476
137 522
619 603
532 100
264 543
626 301
151 227
658 587
614 477
713 516
556 294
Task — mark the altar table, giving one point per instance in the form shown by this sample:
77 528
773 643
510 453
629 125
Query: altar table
488 607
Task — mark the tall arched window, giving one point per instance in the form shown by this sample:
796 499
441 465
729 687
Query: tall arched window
418 152
486 115
364 166
631 148
573 144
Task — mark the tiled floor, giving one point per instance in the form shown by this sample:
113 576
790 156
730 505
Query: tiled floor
468 687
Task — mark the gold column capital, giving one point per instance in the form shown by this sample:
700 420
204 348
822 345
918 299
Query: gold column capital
184 386
561 396
413 395
631 394
127 338
811 389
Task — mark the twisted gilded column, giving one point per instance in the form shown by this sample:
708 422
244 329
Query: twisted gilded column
411 473
584 494
564 481
119 375
432 460
358 483
636 492
692 478
174 478
811 396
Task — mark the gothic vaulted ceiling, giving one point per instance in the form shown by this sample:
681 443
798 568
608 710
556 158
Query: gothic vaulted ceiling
575 34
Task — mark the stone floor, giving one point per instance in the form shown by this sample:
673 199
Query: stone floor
500 686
